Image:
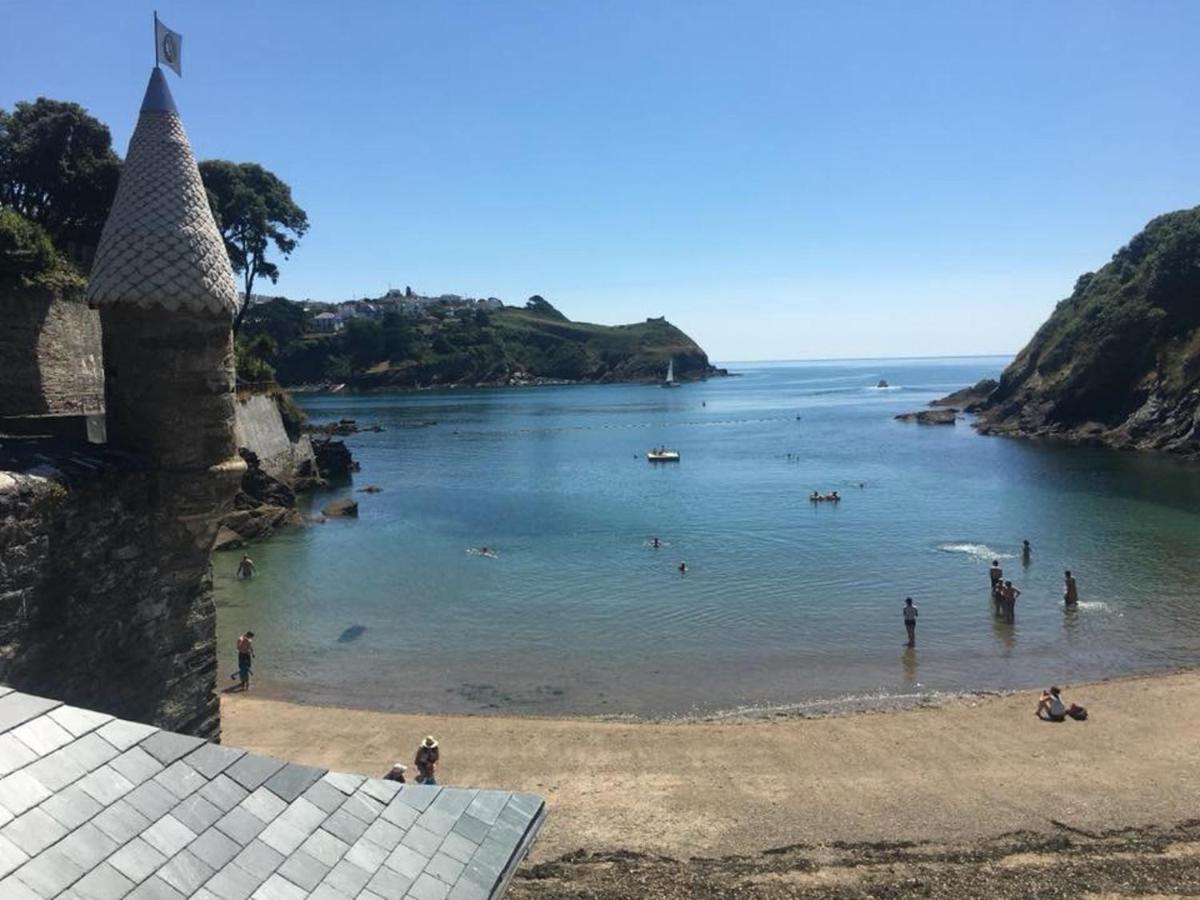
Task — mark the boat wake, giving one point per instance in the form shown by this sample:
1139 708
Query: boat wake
486 554
980 552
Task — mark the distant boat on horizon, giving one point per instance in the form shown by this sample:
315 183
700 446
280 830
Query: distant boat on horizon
670 379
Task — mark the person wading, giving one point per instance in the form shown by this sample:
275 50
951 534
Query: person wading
910 621
1070 589
245 654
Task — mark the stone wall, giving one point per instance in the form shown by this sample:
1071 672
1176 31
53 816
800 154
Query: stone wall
259 428
50 357
105 589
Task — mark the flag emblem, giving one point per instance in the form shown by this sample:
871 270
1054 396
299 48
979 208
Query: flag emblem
169 47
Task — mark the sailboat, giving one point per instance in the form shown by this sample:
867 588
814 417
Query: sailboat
670 381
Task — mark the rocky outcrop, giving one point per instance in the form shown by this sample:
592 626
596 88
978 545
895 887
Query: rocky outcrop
930 416
1118 362
969 398
341 508
334 461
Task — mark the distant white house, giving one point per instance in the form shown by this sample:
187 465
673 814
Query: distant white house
326 323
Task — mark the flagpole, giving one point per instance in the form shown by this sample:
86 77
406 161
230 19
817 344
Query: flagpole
156 39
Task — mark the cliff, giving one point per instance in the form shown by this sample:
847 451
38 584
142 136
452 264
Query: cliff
509 345
1118 362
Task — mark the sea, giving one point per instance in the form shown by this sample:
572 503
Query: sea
786 605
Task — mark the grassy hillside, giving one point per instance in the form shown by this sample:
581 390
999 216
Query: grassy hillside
1118 362
504 346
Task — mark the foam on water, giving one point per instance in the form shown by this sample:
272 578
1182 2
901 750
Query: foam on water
981 552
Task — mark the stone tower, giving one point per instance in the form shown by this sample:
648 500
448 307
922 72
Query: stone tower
166 295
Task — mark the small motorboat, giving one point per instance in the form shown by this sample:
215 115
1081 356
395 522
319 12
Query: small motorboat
882 383
662 454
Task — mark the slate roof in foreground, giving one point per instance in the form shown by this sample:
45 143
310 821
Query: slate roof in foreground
97 808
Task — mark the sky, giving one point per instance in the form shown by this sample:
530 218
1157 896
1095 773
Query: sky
781 180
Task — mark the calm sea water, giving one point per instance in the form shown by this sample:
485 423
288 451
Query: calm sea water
785 603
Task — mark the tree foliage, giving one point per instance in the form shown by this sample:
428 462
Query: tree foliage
28 257
58 169
255 212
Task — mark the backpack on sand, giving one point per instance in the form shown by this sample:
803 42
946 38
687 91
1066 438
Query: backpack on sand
1078 713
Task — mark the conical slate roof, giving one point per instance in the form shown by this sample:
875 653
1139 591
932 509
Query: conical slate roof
160 245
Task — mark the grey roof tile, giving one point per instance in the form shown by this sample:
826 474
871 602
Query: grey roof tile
16 708
181 779
56 771
49 872
121 822
445 867
11 856
214 848
486 805
103 883
167 746
302 869
283 837
407 861
400 814
42 735
347 877
485 876
152 800
86 846
345 826
327 892
264 804
205 894
79 721
418 796
458 847
168 836
325 848
252 770
383 833
424 842
71 807
278 888
12 888
223 793
123 735
437 821
92 751
426 887
454 801
258 859
293 780
325 796
465 889
363 806
381 790
303 815
233 883
106 785
530 804
343 781
34 831
154 888
471 828
366 856
196 813
136 860
136 765
14 754
20 791
389 883
210 760
186 872
240 825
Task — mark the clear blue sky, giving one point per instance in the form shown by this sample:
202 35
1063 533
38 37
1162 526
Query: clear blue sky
782 180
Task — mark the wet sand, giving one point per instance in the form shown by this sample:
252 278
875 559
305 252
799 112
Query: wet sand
970 769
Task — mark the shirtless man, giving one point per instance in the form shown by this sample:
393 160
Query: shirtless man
245 568
245 652
1010 602
995 572
1026 552
1070 589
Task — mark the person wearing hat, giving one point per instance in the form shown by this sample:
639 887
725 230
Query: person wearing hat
426 760
396 773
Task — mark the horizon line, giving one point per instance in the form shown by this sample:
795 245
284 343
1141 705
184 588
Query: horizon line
867 358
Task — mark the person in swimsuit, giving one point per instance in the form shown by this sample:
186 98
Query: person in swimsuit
1070 589
245 568
1010 602
995 572
245 654
1026 552
682 568
910 621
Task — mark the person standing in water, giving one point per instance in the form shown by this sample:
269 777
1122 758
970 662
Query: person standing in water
996 573
245 654
1010 602
1070 589
245 568
910 621
682 568
1026 552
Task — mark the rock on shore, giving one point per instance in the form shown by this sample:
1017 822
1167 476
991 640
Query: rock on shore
930 416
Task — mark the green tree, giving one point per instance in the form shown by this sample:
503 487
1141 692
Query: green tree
58 169
363 342
282 319
399 336
255 211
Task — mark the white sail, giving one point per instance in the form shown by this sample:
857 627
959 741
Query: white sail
671 370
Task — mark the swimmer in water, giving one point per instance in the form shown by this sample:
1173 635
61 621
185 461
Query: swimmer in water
814 497
655 543
1026 552
682 568
1070 589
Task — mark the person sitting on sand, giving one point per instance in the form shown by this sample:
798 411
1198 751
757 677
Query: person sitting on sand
426 760
1070 589
396 773
1050 707
245 568
995 572
1010 602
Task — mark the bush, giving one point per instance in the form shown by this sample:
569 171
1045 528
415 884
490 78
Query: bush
28 257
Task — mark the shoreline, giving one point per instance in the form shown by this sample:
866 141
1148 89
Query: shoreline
745 786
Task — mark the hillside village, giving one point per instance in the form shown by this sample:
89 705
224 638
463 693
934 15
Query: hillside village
331 317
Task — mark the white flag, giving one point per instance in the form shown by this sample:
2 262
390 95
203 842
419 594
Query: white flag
168 47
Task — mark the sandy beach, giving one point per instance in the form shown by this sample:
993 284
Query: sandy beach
968 770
